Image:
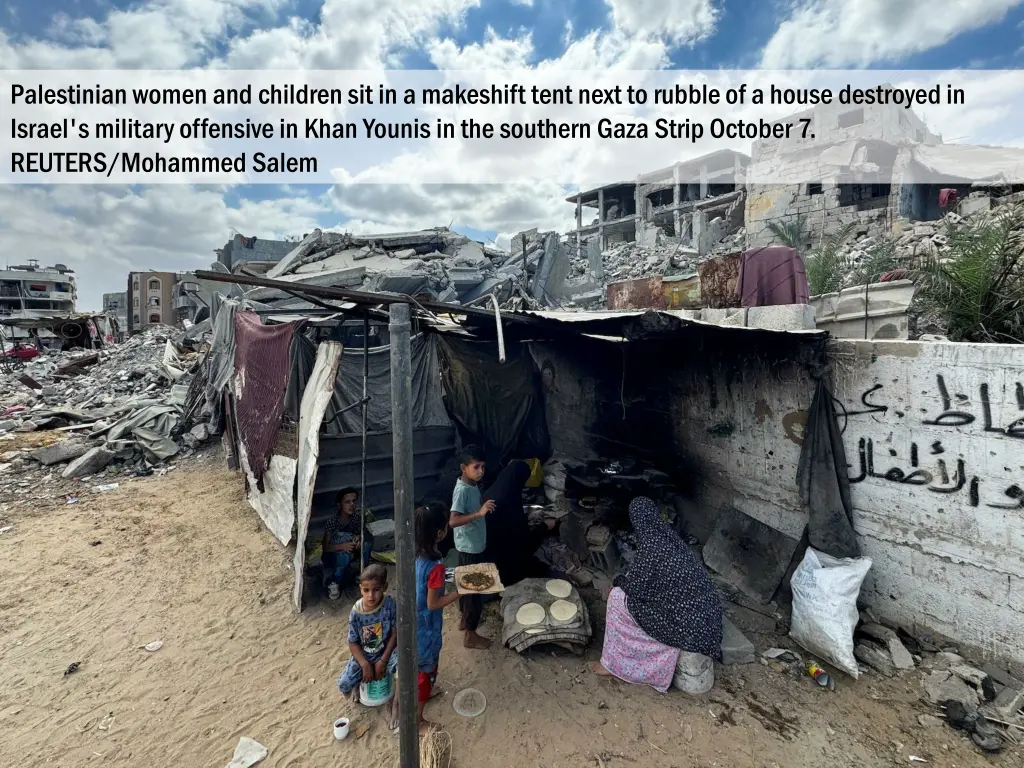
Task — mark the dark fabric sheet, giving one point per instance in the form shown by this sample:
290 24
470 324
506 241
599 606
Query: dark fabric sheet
510 543
262 371
497 406
668 591
427 396
824 482
771 276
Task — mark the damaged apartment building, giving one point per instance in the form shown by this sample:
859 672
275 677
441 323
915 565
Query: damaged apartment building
871 168
690 205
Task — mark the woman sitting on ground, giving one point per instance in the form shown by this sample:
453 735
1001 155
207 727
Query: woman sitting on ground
665 603
510 541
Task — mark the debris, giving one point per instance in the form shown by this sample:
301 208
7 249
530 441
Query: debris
6 528
916 759
105 487
929 721
943 686
1007 703
72 668
736 648
898 652
876 658
248 753
154 646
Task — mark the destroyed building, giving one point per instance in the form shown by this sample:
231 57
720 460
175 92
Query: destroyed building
253 253
29 291
856 163
435 264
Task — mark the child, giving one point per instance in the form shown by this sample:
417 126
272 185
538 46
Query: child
342 545
431 528
372 634
467 521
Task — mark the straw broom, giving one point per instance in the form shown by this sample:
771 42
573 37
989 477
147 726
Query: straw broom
435 750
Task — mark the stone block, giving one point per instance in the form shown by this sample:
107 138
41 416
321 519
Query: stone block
89 464
941 686
736 648
975 204
786 317
1007 704
898 652
876 658
58 453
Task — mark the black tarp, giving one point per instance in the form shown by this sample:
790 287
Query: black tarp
498 406
428 406
823 480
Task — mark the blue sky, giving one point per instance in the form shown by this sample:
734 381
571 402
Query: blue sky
105 231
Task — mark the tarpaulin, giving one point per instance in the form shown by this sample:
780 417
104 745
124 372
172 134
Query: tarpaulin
823 481
262 372
497 406
427 396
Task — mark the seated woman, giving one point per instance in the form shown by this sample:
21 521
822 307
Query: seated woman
510 542
665 603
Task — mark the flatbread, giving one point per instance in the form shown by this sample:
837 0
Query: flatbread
476 582
530 614
559 588
534 630
562 611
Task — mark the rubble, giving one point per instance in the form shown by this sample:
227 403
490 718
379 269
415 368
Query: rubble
121 409
438 263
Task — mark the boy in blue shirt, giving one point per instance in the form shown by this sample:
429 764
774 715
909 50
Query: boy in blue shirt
372 636
470 532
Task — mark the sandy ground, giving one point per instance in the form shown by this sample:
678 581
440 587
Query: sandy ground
183 559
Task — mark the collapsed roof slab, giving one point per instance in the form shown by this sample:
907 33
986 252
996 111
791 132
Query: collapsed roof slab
338 278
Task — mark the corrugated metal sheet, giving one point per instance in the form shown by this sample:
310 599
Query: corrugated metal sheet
341 461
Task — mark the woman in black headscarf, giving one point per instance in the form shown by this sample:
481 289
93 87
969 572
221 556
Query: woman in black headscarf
665 603
510 542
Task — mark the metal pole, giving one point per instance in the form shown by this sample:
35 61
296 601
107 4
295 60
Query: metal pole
362 482
401 435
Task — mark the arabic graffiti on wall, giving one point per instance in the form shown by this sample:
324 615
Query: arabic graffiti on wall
943 475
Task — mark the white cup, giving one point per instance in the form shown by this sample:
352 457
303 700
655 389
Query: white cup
341 728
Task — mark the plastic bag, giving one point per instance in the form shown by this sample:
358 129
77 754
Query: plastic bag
825 591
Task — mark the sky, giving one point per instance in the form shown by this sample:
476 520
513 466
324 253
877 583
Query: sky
103 232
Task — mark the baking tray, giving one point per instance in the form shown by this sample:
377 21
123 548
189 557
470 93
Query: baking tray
489 568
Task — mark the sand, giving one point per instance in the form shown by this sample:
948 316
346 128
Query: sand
183 559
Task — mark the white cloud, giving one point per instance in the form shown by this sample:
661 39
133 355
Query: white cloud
105 232
839 33
493 53
681 22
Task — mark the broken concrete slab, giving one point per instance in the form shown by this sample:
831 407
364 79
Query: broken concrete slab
338 278
876 658
750 555
58 453
305 247
898 652
941 686
785 317
969 674
1001 676
406 253
89 463
1007 704
736 648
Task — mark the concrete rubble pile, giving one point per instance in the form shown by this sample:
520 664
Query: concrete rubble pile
122 409
438 263
918 242
661 254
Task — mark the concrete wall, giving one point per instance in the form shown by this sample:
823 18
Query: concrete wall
948 553
726 421
722 418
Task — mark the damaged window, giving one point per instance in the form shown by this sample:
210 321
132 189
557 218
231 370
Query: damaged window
154 285
814 189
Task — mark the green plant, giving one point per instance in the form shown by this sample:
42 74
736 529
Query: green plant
826 264
976 285
792 233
